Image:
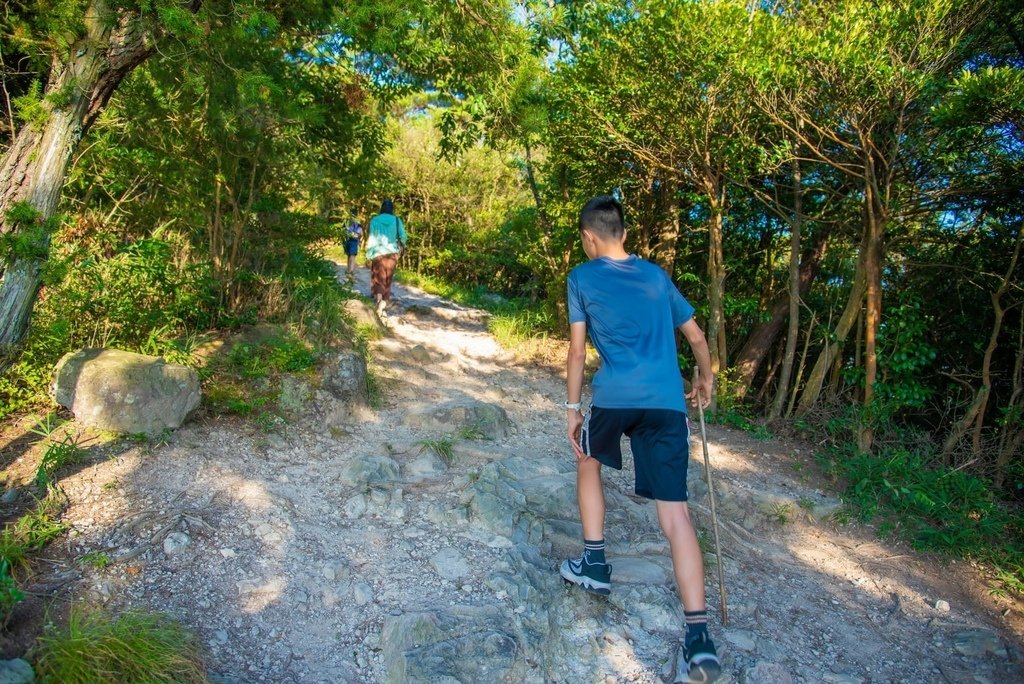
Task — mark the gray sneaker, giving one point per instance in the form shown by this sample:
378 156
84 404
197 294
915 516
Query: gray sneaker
595 577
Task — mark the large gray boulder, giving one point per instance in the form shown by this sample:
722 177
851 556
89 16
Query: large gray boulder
117 390
343 376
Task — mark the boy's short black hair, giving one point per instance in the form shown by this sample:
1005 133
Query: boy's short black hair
603 216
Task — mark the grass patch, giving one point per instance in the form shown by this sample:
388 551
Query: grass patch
95 648
18 540
514 328
31 532
443 448
95 559
57 455
781 513
286 354
905 490
732 418
471 431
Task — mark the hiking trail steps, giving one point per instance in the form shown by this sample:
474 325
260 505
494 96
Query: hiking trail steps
361 549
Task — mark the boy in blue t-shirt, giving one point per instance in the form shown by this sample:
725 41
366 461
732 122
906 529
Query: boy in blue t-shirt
631 309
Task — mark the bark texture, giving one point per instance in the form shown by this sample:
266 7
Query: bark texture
34 168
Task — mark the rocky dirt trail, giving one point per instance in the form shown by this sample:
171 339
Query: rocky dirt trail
419 542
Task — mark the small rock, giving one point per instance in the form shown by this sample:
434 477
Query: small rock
228 553
220 636
355 507
450 564
9 497
175 543
741 639
842 678
768 673
420 355
941 605
362 593
976 643
16 671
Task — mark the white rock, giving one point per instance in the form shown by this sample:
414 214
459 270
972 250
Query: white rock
941 605
362 593
355 507
175 543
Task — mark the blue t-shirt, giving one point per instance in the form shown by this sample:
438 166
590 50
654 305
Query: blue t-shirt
631 309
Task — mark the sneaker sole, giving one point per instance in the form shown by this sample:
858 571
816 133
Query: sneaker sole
705 672
591 585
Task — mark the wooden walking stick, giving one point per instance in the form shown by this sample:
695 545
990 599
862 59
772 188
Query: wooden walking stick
711 496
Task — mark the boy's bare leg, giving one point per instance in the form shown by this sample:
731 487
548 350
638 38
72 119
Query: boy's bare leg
687 561
590 496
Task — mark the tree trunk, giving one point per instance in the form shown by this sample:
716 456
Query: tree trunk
1012 435
753 353
875 221
34 168
794 297
716 277
668 238
853 306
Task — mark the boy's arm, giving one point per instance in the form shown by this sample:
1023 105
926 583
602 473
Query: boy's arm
699 345
574 363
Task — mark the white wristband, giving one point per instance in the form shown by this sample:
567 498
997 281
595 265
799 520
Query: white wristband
573 407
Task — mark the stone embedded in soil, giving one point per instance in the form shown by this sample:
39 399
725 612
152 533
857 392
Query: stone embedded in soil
742 639
368 469
767 672
175 543
450 564
460 644
976 643
16 671
424 467
489 420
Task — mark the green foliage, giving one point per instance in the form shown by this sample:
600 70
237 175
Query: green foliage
29 108
284 354
10 595
95 559
223 396
132 647
58 454
442 447
470 431
513 329
31 532
781 513
935 508
374 391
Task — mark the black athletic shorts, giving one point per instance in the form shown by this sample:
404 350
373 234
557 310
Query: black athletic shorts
352 246
660 440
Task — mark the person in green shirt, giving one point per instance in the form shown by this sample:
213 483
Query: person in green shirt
386 238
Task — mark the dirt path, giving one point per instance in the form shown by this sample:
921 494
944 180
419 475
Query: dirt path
349 551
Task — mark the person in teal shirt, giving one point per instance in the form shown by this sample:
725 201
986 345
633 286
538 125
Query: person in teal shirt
386 239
